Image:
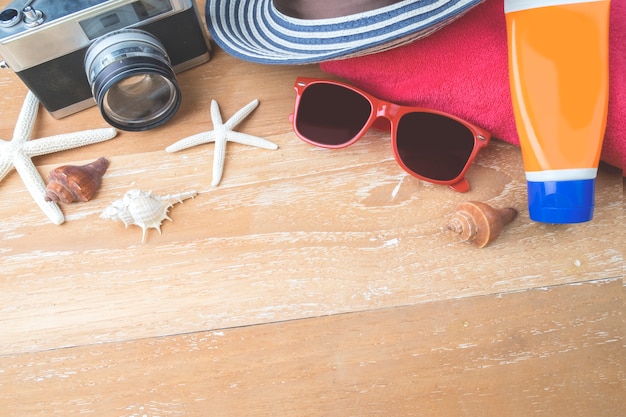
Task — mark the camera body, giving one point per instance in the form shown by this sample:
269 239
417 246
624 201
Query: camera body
45 42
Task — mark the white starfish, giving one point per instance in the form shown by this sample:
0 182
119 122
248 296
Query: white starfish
222 133
18 152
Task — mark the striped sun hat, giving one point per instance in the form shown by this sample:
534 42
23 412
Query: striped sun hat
310 31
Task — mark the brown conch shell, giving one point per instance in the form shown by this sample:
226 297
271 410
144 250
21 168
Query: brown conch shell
480 223
69 183
144 209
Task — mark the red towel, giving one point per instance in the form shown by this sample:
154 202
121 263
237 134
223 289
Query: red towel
463 69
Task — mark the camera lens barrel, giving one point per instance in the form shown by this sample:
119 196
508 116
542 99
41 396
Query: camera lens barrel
132 80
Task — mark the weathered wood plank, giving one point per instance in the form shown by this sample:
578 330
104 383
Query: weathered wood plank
288 234
555 351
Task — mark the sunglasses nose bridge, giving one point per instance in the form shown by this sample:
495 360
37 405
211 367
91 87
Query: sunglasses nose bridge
384 113
381 110
386 110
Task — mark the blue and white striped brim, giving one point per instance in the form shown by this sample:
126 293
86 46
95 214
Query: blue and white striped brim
254 30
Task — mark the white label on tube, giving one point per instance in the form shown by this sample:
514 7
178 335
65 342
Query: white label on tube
562 175
516 5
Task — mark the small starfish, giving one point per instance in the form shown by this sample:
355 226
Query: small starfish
222 133
18 152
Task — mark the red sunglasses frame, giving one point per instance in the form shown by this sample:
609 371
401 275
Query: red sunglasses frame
385 116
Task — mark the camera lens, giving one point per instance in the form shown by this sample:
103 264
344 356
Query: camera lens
132 80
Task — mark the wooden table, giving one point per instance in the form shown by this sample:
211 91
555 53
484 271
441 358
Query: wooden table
309 282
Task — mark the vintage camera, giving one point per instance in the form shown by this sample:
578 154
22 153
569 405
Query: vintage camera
119 54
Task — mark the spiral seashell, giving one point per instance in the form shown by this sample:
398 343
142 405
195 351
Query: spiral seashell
144 209
480 223
70 183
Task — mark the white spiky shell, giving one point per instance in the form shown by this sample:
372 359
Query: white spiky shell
144 209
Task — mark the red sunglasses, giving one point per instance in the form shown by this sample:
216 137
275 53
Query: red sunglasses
428 144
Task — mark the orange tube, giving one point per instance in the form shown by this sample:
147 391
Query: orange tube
558 71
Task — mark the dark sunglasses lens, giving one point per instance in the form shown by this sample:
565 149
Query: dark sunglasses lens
434 146
330 114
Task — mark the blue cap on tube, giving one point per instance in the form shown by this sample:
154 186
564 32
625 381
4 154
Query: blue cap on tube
561 201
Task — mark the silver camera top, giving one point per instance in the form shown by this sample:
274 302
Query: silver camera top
36 31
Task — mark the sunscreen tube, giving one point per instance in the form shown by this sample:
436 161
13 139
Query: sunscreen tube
558 73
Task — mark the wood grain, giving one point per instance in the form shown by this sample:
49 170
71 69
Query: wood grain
292 233
309 282
555 351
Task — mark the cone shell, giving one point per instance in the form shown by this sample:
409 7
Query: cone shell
480 223
73 183
144 209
